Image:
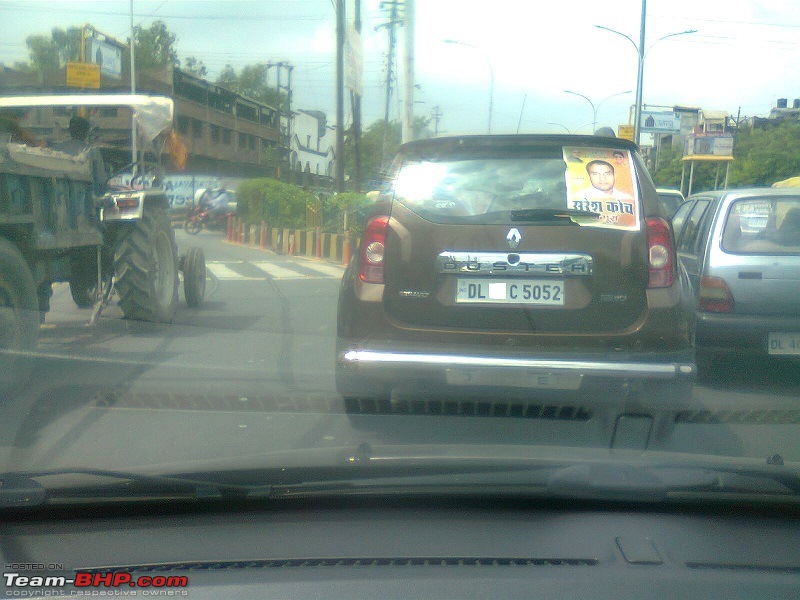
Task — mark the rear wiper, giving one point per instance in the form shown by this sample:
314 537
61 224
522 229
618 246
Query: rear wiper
545 214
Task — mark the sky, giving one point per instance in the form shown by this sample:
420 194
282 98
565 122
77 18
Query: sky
744 55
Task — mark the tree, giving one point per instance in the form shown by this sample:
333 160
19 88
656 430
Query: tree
379 143
43 55
251 82
764 156
48 55
67 43
195 67
155 46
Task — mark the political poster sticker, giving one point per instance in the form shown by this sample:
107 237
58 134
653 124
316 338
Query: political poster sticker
601 180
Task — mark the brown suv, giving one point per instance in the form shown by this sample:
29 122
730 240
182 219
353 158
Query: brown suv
521 265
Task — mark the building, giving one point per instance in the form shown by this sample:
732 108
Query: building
312 157
225 133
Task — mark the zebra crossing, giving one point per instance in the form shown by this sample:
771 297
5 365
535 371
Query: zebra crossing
242 270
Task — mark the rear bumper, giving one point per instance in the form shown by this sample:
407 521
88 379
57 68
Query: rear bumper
741 333
383 360
375 371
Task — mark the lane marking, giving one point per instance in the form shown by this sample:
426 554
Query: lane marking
277 272
225 273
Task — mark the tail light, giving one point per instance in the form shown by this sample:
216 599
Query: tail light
661 254
373 247
715 295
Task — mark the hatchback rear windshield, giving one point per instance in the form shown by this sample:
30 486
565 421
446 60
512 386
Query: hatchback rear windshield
593 186
763 226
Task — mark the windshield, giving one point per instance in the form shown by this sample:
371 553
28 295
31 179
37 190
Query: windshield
452 245
763 227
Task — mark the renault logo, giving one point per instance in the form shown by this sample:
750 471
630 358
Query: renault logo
513 237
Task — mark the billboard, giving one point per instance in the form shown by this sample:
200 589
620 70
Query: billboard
625 132
83 75
660 122
105 54
709 145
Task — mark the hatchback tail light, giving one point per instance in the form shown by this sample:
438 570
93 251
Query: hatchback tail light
373 247
661 254
715 295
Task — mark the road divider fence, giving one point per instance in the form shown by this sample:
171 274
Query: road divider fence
292 242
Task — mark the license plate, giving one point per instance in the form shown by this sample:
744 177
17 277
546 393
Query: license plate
540 292
518 378
784 344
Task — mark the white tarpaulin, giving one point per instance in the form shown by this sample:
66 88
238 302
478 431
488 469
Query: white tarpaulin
153 114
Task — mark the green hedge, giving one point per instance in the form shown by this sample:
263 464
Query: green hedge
279 204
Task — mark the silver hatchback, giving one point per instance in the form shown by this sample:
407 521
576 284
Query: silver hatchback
741 249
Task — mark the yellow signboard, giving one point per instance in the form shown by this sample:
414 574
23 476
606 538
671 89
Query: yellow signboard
83 75
625 132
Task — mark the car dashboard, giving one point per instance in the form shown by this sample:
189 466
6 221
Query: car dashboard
420 546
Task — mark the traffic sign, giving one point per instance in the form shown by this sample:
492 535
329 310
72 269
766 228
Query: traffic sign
625 132
83 75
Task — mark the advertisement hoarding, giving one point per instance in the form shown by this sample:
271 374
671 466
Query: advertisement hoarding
660 122
105 54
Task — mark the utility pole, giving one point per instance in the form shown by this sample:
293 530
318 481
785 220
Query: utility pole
134 148
391 25
408 75
340 24
356 102
285 111
437 116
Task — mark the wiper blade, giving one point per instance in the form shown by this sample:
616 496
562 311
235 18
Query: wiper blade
544 214
365 470
18 489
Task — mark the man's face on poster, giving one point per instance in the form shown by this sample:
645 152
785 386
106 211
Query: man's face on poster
602 177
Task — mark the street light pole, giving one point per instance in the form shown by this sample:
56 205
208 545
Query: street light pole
637 124
491 76
641 53
599 104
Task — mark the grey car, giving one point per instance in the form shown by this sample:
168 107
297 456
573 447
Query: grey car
741 249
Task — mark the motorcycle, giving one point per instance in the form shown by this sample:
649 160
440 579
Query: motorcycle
202 216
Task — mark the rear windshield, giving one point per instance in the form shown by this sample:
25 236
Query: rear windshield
593 186
763 226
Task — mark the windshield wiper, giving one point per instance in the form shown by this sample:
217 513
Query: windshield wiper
368 471
543 214
19 489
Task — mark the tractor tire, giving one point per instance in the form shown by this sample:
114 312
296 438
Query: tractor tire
194 277
146 267
19 317
83 278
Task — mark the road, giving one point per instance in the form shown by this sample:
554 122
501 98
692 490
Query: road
251 371
271 318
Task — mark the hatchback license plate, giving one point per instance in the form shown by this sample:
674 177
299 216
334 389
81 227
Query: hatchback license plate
546 292
784 344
